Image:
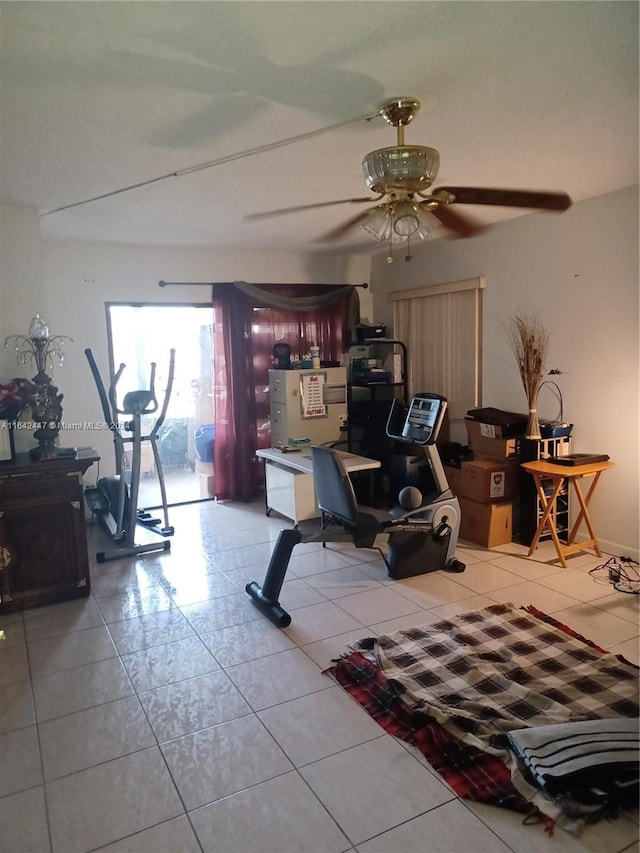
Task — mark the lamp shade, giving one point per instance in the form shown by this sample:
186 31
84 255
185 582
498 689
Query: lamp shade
398 220
38 328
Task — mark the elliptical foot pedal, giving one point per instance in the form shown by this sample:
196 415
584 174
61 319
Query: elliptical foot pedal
97 500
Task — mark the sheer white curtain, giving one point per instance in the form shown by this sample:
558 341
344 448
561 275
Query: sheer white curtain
442 328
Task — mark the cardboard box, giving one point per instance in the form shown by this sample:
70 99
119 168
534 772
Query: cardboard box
454 476
204 468
205 473
500 424
486 524
207 485
487 439
484 482
514 470
147 460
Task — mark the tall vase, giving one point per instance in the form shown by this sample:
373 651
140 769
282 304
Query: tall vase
533 425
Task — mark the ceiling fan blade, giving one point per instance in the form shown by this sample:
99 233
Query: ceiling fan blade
254 216
453 220
340 230
509 198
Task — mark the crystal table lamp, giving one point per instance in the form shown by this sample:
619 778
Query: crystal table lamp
42 348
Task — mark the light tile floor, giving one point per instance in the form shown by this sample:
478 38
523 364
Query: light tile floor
165 714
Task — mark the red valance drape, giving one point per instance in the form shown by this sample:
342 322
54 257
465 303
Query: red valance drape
248 320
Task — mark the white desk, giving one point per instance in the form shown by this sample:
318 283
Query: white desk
289 480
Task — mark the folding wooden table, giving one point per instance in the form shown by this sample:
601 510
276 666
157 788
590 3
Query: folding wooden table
547 473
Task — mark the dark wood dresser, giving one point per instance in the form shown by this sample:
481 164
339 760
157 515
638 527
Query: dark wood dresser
43 544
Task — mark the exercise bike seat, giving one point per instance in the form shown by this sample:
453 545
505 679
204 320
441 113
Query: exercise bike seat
337 500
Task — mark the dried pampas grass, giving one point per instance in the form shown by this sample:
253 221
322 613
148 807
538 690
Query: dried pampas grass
529 342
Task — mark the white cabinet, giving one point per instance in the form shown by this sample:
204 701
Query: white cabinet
289 480
291 493
307 404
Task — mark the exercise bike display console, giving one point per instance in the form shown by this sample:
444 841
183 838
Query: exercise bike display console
423 420
422 532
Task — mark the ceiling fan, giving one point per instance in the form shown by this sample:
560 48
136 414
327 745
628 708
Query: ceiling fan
405 207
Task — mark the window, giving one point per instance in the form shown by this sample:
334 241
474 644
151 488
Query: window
441 326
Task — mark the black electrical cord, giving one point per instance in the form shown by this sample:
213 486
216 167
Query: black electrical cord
623 573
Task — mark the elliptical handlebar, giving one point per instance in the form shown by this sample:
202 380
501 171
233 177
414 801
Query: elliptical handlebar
152 390
104 400
112 390
167 393
146 401
140 402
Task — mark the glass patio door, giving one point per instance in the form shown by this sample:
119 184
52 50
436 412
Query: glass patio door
140 335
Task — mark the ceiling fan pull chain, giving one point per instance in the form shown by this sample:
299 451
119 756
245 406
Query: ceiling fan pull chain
408 257
390 259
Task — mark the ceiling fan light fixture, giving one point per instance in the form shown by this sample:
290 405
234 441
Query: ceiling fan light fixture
426 222
395 221
409 168
406 218
379 224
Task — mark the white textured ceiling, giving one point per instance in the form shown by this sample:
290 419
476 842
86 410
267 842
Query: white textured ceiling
99 96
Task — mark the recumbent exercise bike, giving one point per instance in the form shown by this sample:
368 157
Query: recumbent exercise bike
423 530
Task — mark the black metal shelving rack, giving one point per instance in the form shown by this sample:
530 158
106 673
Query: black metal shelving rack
369 401
529 504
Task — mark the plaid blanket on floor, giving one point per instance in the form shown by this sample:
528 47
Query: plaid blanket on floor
456 688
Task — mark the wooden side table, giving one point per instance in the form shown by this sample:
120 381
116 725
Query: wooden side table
542 471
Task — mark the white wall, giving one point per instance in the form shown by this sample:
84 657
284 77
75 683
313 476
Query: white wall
79 278
579 272
21 279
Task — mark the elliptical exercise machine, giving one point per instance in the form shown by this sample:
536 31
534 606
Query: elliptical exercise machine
114 504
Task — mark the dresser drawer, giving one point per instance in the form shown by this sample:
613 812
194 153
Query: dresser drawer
39 489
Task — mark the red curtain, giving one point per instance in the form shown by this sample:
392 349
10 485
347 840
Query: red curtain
246 327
